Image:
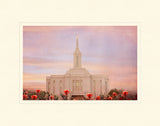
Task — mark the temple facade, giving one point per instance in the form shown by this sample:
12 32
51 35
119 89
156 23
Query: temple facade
77 80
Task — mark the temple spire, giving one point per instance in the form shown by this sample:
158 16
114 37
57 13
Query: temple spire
77 55
76 41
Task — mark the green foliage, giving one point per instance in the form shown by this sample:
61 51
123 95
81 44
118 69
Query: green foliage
30 93
55 97
114 90
42 95
46 95
102 97
64 97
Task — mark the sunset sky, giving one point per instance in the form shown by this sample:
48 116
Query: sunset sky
110 50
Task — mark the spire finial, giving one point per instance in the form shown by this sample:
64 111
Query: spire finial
76 41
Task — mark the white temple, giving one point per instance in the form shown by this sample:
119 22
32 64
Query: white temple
77 80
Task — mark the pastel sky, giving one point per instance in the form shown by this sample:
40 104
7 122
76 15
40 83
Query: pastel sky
110 50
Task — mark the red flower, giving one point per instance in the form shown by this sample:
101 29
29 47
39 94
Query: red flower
109 98
66 92
125 93
114 94
120 98
89 95
52 97
38 91
25 97
34 97
98 98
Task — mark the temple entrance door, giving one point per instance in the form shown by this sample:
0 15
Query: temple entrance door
78 97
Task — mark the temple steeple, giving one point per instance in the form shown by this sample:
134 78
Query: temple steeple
77 56
76 41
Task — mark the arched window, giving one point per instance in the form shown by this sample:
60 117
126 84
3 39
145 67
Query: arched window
53 87
48 86
60 86
81 86
77 85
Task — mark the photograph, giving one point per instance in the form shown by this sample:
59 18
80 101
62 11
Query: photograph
80 62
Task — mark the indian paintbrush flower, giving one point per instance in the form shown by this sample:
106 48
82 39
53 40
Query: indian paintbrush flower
125 93
89 95
114 94
38 91
52 97
109 98
34 97
98 98
25 97
66 92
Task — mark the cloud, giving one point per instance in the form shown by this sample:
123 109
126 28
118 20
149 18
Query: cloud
34 86
105 49
30 77
45 63
42 28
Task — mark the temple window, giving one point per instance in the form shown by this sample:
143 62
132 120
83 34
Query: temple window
81 86
54 87
60 86
48 86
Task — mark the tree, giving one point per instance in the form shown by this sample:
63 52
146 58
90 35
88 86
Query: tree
114 90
